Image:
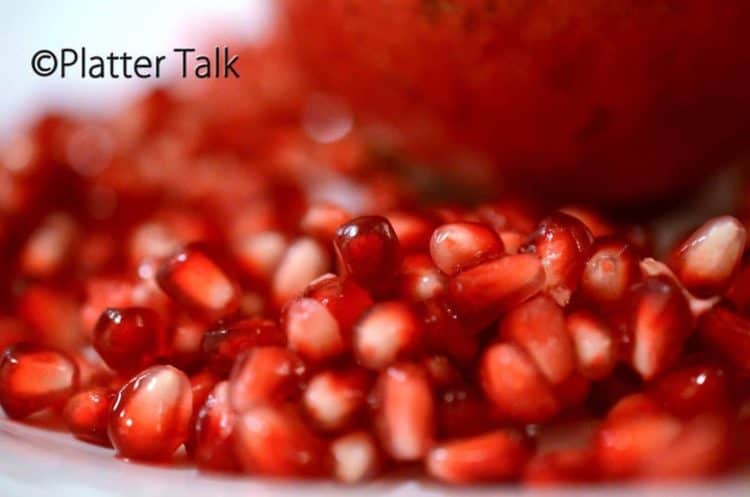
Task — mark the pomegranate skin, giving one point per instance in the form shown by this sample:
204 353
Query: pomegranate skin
619 102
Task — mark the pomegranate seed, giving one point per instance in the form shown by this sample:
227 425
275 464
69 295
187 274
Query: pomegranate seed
420 279
574 391
213 432
334 399
370 251
322 220
701 449
659 320
538 327
387 332
594 344
512 382
632 406
739 293
691 390
458 246
698 307
624 446
303 261
445 333
405 418
184 347
356 457
609 272
313 331
129 339
49 246
706 262
562 466
53 316
196 281
563 244
259 254
225 342
274 441
413 230
495 456
496 286
265 374
34 378
151 414
729 334
345 300
87 413
201 384
12 331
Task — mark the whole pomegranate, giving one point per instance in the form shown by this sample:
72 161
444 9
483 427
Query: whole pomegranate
613 100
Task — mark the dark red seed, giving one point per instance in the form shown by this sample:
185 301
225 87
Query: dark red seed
563 244
420 279
562 466
265 375
343 298
34 378
212 440
370 251
728 333
87 413
129 339
691 390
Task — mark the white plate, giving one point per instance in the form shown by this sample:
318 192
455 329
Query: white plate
41 463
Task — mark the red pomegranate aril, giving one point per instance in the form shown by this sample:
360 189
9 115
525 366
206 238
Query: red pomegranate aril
201 384
574 391
509 214
333 400
609 272
150 417
12 331
196 281
458 246
512 240
345 300
356 457
538 327
513 383
634 405
412 229
274 441
496 456
496 286
389 331
53 317
729 334
304 260
312 330
708 259
594 343
129 339
259 254
370 251
223 343
691 390
405 416
420 279
626 445
212 440
562 466
659 321
702 449
563 244
321 220
86 415
265 375
34 378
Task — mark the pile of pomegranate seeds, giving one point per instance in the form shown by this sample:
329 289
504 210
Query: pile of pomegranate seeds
210 271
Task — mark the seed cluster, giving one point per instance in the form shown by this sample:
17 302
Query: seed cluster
203 272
